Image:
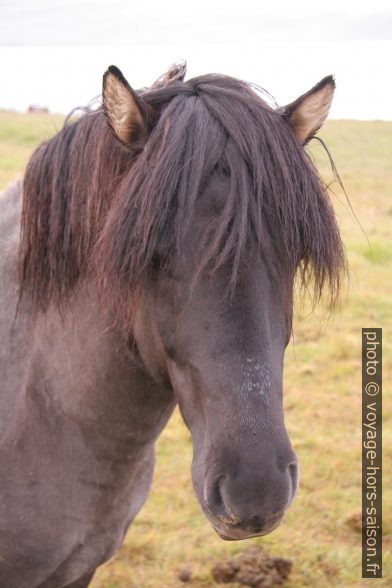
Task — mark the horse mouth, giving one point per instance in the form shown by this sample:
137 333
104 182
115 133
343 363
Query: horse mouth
229 532
239 536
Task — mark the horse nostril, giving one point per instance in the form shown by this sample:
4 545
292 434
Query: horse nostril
251 499
293 471
215 499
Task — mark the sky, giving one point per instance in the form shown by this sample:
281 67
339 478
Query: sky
54 52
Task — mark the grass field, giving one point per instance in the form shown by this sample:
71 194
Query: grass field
322 397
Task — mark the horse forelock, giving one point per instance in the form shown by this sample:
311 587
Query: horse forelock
93 208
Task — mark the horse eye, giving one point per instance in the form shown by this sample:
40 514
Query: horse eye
222 169
156 262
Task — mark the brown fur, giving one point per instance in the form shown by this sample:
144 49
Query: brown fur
91 206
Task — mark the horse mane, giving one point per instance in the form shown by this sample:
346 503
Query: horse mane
92 207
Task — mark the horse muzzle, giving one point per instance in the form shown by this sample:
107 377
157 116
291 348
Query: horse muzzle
249 501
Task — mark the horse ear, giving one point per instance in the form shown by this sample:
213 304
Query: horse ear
307 114
176 73
124 109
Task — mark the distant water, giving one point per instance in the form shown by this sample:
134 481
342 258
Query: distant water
54 52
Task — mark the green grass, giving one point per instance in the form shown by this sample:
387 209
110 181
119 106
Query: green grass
19 135
322 396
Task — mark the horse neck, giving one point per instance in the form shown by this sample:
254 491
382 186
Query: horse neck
93 376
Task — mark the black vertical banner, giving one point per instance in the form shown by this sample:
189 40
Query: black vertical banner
372 453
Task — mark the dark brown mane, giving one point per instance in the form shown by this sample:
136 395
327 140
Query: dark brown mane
90 206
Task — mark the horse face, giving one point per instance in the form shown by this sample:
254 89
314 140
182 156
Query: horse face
223 355
224 358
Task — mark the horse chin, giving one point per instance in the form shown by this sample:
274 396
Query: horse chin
229 532
237 535
234 534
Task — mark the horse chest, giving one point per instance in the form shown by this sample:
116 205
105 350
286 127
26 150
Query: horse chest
61 528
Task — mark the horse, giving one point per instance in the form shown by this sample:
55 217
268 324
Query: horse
148 261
